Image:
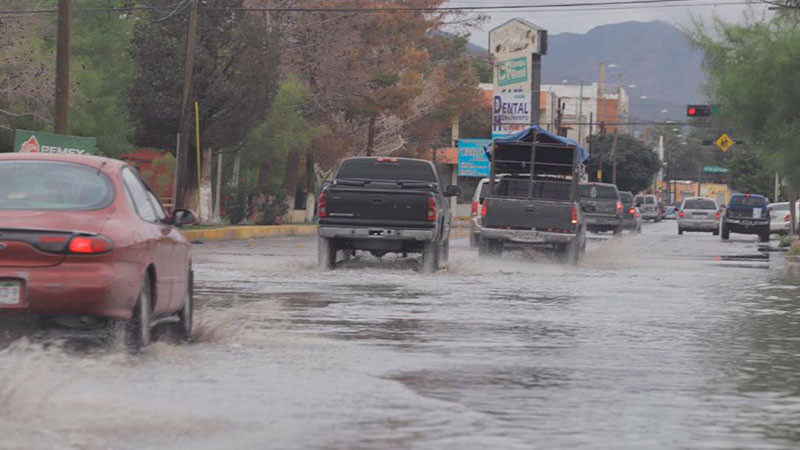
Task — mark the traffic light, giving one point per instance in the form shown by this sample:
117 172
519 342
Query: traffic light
698 110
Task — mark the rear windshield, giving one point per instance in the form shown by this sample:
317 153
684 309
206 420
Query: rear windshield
53 186
626 197
779 207
374 169
748 201
598 191
699 203
549 190
649 200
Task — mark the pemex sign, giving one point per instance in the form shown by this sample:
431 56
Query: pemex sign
40 142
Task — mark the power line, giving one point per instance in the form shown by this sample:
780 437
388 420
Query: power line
398 9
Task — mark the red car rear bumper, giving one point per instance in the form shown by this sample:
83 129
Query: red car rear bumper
96 289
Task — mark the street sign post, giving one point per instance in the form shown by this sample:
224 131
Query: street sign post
40 142
714 169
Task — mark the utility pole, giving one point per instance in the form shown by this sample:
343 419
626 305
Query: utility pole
183 119
614 158
62 66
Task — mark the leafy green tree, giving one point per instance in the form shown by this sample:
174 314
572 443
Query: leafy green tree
637 163
749 175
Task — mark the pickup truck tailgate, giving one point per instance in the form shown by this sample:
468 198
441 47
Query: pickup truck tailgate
527 214
357 205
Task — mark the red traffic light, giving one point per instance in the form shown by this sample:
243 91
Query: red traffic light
699 110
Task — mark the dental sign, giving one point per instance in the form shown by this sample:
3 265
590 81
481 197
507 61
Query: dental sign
40 142
513 45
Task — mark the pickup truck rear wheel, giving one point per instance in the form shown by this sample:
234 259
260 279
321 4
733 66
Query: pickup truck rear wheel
725 232
430 257
763 236
572 253
326 253
444 256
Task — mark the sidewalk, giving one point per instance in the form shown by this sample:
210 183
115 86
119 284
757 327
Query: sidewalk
242 232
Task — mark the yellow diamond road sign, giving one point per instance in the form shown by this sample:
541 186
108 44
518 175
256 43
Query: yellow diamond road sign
724 142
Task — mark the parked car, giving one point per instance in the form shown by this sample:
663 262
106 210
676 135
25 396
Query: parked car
476 219
631 217
86 245
780 218
385 205
698 214
603 207
746 214
671 212
535 205
649 207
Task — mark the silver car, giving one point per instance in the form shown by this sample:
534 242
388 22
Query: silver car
780 218
475 220
698 214
649 207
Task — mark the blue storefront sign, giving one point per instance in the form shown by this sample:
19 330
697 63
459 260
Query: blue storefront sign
472 159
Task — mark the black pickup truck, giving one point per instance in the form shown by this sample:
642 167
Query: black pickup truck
536 204
384 205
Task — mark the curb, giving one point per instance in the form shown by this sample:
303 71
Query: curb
249 232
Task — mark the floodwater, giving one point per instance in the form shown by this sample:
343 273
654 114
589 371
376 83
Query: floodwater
656 341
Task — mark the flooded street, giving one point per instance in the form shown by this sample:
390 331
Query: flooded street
655 341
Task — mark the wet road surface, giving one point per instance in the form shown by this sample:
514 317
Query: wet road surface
655 341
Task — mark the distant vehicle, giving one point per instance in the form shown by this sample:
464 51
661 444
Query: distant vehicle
746 214
481 191
86 245
671 212
649 207
603 207
698 214
385 205
780 218
631 217
536 205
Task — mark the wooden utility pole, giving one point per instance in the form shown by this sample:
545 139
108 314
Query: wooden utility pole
183 118
62 66
614 159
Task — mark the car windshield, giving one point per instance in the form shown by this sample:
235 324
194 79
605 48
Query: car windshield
601 191
742 200
699 203
53 186
386 169
626 197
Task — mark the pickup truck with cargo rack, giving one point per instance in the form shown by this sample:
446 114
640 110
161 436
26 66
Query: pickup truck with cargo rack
536 203
385 205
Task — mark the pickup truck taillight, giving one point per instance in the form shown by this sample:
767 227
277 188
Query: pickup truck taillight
432 208
475 208
574 214
484 207
323 204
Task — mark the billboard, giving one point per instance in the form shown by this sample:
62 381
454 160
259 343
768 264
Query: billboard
40 142
512 95
472 159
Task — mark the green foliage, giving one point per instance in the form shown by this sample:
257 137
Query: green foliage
749 175
102 72
237 203
483 69
636 162
752 73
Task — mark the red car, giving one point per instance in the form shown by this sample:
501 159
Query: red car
84 244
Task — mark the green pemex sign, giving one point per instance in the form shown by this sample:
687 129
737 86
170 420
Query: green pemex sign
40 142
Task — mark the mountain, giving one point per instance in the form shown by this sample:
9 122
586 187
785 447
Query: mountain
656 57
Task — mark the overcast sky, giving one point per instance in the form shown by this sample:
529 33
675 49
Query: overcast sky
580 20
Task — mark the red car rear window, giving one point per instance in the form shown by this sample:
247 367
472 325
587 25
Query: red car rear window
53 186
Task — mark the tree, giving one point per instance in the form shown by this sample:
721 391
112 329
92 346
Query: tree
749 175
752 74
234 80
636 162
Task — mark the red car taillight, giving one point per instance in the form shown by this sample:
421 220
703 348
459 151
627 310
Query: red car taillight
632 211
574 214
475 208
90 245
680 214
322 209
619 207
432 209
484 207
787 218
718 215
